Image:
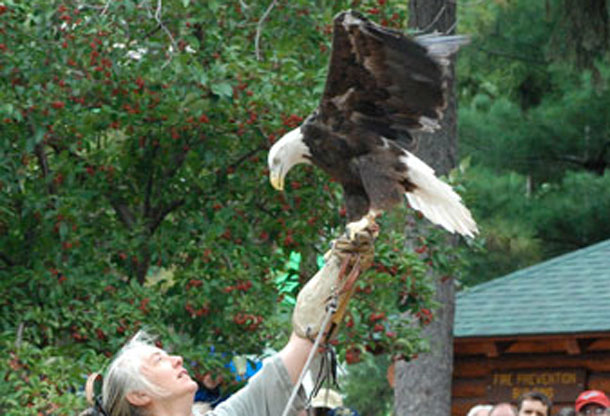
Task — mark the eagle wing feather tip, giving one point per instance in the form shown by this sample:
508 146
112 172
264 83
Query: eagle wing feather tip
443 208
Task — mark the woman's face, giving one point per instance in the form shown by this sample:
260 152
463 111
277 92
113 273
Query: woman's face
166 372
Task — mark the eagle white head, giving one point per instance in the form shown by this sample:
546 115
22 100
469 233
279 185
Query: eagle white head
287 152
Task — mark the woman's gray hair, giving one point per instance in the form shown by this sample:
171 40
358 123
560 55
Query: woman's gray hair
124 376
476 409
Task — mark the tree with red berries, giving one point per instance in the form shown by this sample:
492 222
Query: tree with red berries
134 190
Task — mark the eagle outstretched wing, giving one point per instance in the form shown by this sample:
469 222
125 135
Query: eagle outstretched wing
384 81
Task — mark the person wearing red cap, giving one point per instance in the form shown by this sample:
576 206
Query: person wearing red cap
592 403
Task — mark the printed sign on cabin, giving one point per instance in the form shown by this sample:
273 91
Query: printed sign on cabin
560 385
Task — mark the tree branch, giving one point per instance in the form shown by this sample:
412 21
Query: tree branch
143 263
19 337
244 6
596 164
6 259
171 172
571 159
602 154
123 211
106 7
160 213
42 158
265 210
259 29
507 55
243 158
227 261
166 30
44 165
149 185
157 16
221 173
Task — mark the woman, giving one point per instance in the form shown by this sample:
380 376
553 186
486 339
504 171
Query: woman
144 380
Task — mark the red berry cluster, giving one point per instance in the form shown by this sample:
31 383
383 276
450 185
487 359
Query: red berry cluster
249 321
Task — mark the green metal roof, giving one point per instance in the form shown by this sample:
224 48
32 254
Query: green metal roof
568 294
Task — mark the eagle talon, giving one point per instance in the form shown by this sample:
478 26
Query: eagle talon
356 227
353 228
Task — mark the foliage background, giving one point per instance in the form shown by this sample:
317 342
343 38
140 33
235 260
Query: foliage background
134 191
135 194
534 122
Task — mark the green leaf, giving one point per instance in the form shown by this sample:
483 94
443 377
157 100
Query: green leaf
222 89
7 109
34 140
203 78
214 5
63 230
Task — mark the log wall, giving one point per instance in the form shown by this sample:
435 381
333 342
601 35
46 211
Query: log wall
477 360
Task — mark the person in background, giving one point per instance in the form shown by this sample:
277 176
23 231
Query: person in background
534 403
592 403
503 409
479 410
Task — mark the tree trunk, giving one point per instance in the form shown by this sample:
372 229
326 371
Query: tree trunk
142 264
439 149
423 385
583 33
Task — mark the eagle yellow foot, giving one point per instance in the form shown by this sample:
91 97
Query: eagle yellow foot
353 228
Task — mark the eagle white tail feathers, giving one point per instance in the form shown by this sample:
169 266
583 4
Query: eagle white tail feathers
436 200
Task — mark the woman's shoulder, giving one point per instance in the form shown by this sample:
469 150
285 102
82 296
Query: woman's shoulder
201 408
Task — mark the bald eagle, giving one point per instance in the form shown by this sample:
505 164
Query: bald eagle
381 86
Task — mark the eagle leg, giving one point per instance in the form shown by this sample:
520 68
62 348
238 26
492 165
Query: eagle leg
354 227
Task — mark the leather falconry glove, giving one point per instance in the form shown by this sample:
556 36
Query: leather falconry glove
344 262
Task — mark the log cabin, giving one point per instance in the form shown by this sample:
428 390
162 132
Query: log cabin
544 328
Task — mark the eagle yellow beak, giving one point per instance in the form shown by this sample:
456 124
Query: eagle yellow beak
277 180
